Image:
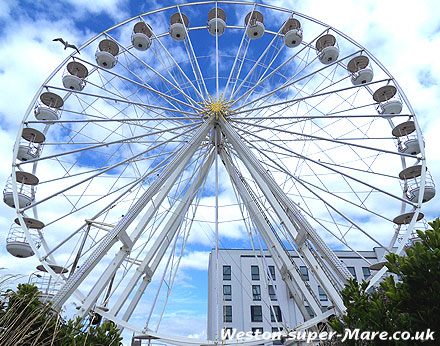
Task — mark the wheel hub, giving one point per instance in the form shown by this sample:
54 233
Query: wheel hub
214 108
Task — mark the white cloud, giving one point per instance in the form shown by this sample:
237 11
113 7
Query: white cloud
195 260
114 8
6 7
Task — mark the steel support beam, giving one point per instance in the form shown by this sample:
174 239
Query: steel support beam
296 225
163 182
290 275
152 259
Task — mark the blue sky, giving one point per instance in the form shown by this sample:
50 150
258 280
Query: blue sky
405 37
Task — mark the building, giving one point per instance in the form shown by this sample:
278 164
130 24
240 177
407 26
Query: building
252 296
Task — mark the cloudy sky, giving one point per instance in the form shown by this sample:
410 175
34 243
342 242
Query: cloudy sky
403 35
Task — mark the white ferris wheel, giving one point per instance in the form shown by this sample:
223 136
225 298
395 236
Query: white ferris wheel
210 125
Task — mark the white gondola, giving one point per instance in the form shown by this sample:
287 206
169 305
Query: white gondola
30 223
26 189
378 265
409 145
178 24
292 33
405 218
393 106
360 69
46 284
30 144
410 172
389 104
74 76
216 21
56 268
141 36
407 141
414 240
18 245
413 188
49 107
254 25
106 54
327 49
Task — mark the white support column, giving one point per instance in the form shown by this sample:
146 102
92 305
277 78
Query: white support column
124 251
322 278
282 261
308 325
137 296
158 249
245 158
164 183
309 233
125 239
298 228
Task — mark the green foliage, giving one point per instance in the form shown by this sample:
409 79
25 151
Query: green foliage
24 318
71 334
410 304
418 293
26 321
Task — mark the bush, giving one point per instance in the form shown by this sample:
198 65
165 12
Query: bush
409 304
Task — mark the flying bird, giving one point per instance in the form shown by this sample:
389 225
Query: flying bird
66 44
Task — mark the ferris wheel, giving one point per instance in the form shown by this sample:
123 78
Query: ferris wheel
203 126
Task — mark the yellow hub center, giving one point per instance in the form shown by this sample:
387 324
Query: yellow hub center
214 108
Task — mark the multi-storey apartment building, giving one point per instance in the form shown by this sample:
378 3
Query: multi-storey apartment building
247 292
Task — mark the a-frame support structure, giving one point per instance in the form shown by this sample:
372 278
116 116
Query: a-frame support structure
330 273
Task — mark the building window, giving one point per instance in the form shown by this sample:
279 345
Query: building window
366 272
227 292
226 272
272 294
322 295
352 271
271 272
277 340
277 317
227 313
256 292
257 330
310 311
255 273
256 313
304 273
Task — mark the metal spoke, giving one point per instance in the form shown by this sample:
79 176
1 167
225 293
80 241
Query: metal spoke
312 137
319 163
178 66
95 175
197 71
305 98
243 39
263 79
174 85
144 86
124 101
115 142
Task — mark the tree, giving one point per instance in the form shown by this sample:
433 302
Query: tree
26 321
72 333
408 304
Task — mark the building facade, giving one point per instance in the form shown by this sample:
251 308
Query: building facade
252 296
